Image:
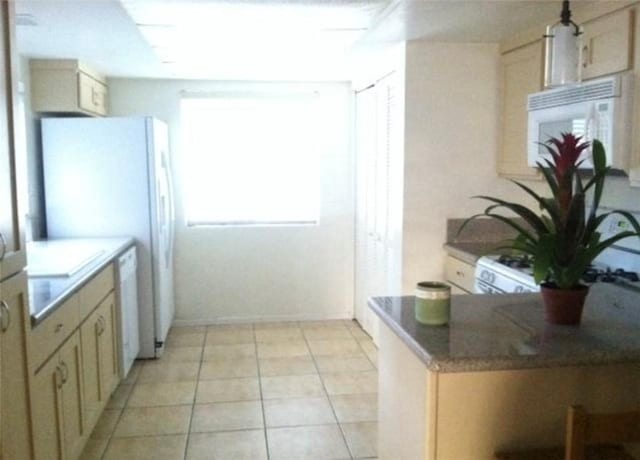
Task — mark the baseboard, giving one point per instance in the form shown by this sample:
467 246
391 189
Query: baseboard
256 319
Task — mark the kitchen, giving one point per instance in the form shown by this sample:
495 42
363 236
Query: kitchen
310 270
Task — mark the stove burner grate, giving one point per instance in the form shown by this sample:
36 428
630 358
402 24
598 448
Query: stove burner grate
523 261
593 275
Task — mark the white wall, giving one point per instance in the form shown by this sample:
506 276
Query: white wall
250 273
451 126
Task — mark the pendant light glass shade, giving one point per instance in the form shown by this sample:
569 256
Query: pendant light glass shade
563 49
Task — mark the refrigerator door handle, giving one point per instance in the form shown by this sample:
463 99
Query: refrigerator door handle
167 201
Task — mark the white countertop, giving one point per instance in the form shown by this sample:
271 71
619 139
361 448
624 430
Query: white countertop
67 264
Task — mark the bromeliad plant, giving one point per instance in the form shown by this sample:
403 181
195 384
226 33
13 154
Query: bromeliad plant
564 238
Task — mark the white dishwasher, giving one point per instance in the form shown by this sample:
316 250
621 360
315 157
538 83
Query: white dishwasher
127 265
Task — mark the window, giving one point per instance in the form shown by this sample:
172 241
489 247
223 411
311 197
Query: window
250 160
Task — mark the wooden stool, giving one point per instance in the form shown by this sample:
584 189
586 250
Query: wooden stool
588 437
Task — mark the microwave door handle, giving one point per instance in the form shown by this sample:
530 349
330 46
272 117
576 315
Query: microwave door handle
591 123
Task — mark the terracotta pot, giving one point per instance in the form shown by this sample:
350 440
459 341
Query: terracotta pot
563 306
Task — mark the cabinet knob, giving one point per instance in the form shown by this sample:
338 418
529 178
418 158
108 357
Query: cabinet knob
58 377
460 273
58 328
64 371
5 317
585 56
100 325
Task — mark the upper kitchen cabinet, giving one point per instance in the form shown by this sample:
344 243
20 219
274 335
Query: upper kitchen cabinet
67 86
12 167
607 44
521 74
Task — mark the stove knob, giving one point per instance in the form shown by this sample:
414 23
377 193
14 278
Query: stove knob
487 276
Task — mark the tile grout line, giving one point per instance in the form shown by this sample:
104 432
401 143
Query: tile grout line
201 362
375 366
122 409
195 394
264 415
313 358
372 363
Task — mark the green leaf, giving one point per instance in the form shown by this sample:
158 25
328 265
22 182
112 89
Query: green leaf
614 239
630 218
532 218
464 224
551 180
599 170
544 256
544 203
574 226
599 156
517 227
573 273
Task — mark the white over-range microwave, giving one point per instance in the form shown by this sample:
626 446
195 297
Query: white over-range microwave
598 109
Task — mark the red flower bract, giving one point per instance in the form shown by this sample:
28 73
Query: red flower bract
566 154
565 161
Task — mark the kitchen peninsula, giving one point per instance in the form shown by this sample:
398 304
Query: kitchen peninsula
498 376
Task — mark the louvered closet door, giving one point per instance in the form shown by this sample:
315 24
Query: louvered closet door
388 194
365 188
379 197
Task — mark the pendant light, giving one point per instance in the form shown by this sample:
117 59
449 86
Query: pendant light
562 45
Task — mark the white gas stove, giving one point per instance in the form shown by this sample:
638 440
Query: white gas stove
496 274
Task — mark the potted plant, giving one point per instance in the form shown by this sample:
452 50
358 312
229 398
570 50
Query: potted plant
563 238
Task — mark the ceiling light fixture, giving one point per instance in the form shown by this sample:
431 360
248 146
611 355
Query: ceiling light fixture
562 48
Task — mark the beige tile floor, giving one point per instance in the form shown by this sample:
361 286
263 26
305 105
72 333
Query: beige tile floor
264 391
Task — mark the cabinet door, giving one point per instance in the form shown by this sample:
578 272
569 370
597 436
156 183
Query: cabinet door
99 359
46 403
12 168
108 347
1 384
521 75
93 391
607 44
92 94
15 423
71 407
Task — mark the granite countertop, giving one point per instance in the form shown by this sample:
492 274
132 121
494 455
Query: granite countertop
480 237
46 293
470 252
508 331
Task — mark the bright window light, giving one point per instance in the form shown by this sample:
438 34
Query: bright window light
250 160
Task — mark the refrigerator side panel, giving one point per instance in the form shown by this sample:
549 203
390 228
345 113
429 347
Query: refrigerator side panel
161 228
96 185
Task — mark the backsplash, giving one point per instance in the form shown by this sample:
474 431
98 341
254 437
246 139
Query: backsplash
481 230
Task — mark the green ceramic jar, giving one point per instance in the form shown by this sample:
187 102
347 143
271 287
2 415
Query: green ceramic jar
433 300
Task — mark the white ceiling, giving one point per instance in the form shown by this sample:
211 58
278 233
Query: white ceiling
255 39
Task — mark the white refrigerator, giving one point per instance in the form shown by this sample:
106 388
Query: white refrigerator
108 177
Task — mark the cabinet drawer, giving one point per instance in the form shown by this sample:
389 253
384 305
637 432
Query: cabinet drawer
95 290
92 94
460 273
50 333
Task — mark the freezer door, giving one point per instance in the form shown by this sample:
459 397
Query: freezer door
163 233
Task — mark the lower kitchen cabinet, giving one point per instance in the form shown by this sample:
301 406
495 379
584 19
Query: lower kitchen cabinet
99 359
460 274
15 440
58 418
75 368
